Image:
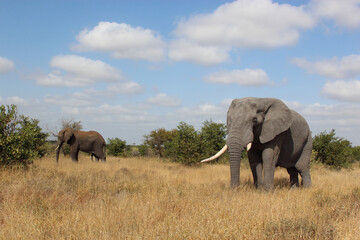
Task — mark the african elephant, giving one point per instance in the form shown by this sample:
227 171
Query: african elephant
90 142
274 136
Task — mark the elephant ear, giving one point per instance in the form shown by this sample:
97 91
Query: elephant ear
68 135
278 118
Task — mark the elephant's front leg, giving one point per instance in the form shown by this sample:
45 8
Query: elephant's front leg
270 157
74 153
256 166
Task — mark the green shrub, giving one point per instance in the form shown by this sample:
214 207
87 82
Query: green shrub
212 138
331 150
157 139
116 146
21 139
143 150
184 147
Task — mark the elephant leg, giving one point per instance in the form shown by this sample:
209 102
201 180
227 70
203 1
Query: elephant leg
294 177
303 164
305 178
74 153
270 157
256 168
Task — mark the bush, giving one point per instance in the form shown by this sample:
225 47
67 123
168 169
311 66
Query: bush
212 138
331 150
184 147
157 139
116 146
21 139
143 150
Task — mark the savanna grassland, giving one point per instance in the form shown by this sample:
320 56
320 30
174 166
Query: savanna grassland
141 198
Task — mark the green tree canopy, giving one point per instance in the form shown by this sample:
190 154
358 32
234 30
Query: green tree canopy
332 150
212 137
184 147
116 146
157 139
21 139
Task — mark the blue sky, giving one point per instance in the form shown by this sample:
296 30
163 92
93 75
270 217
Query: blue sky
125 68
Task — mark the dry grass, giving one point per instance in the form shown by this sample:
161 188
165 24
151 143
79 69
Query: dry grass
149 199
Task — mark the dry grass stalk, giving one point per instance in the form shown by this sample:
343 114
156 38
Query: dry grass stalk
149 199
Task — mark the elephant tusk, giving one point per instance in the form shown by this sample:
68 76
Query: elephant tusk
221 152
57 147
248 147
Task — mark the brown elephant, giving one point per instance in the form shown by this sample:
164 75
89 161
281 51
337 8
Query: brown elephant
274 135
90 142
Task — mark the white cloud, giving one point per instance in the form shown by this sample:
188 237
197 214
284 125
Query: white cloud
164 100
343 90
203 111
247 23
346 67
122 41
246 77
79 72
15 100
345 13
76 99
125 88
185 50
6 65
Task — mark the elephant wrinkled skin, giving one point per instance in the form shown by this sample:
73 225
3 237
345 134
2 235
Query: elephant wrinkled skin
275 136
90 142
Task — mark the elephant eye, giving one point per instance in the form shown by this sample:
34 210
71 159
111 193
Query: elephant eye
255 120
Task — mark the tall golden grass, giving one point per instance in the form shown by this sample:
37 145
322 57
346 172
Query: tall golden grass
137 198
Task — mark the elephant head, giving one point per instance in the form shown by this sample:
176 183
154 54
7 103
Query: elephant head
252 120
65 136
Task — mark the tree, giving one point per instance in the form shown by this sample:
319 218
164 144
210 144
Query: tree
212 137
116 146
143 150
21 139
184 147
332 150
157 140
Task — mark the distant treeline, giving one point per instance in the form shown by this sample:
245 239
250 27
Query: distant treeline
22 140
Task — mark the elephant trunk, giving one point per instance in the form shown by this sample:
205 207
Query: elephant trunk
235 152
58 151
237 142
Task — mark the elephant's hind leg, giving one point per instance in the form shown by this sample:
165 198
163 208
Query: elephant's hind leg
294 177
303 164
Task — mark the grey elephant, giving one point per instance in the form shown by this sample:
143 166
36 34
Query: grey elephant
274 136
90 142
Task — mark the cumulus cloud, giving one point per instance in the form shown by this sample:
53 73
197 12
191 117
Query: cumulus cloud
164 100
343 90
76 99
6 65
246 77
125 88
344 68
185 50
79 72
243 24
122 41
14 100
345 13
